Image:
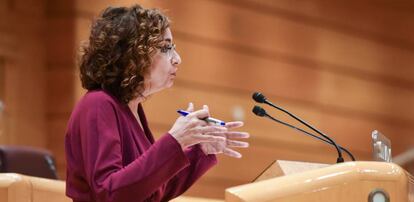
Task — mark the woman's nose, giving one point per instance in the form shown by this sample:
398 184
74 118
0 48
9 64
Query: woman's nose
176 59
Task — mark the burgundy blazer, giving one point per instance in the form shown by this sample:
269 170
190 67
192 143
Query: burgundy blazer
110 158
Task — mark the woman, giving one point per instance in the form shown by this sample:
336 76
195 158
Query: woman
110 151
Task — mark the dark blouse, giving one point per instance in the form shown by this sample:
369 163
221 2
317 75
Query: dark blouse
110 158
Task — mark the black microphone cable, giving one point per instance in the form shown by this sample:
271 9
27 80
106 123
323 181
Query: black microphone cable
260 98
262 113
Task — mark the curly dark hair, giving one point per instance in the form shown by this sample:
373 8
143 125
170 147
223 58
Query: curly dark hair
120 48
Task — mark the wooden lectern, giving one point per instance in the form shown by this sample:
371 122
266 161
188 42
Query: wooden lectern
359 181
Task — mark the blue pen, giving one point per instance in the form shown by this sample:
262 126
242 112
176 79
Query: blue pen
208 119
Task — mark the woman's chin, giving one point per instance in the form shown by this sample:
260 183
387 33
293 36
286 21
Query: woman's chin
170 84
166 86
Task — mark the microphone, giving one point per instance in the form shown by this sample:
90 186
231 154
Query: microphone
260 98
262 113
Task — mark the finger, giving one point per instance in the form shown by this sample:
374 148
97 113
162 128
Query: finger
205 107
232 153
234 124
212 129
208 129
236 134
221 134
194 123
231 134
190 107
208 138
235 143
200 114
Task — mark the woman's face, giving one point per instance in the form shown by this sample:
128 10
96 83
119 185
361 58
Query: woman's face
164 67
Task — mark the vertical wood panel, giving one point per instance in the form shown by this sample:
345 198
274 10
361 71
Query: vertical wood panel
3 124
22 46
61 62
2 78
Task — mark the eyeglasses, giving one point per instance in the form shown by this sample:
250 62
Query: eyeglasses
169 50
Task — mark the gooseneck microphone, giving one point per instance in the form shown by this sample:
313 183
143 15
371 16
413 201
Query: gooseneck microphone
260 98
262 113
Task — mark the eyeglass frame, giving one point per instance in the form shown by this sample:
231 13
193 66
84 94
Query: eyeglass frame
168 49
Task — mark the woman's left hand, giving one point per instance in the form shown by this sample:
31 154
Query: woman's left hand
225 147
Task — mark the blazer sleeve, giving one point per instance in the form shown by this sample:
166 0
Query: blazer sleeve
199 164
101 153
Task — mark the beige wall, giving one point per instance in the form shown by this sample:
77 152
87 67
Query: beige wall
346 67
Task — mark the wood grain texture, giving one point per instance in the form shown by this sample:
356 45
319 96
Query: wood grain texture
22 50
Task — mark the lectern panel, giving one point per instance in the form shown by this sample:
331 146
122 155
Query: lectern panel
352 181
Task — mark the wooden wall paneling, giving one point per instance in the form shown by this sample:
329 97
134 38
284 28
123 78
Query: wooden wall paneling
33 8
61 51
363 19
210 28
60 42
3 6
7 39
297 38
83 25
92 7
290 39
61 102
3 116
60 91
23 27
221 103
209 187
2 77
7 47
7 44
347 100
56 139
339 94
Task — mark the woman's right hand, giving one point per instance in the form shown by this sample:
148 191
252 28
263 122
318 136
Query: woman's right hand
191 129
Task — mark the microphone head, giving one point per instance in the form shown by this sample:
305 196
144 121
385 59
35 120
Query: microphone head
258 97
259 111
